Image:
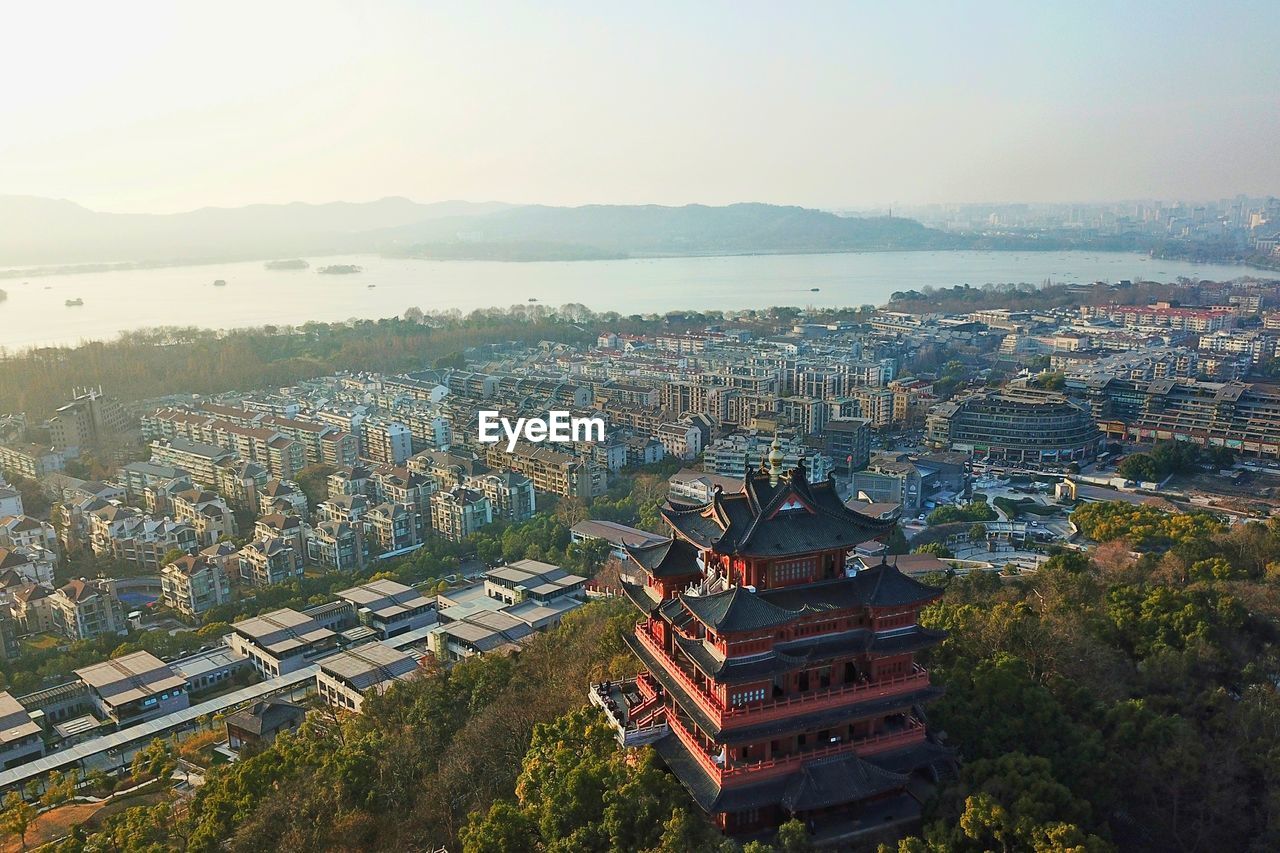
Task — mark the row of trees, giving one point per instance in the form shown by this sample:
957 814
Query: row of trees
151 363
1172 457
972 511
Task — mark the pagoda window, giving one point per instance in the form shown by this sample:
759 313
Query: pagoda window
793 571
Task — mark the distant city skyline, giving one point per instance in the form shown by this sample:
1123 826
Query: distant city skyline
157 108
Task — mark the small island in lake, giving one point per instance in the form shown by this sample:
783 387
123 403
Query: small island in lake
340 269
294 264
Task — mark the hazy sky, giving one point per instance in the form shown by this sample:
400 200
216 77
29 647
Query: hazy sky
173 105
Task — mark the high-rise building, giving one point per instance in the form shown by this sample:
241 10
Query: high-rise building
88 419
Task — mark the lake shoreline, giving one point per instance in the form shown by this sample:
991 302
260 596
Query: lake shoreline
43 271
121 300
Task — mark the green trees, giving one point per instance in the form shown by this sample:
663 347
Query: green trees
1173 457
1139 467
58 788
937 549
408 771
975 511
1009 803
16 816
1144 688
1145 526
578 791
154 362
314 482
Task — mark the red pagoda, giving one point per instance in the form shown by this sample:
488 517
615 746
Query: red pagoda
780 682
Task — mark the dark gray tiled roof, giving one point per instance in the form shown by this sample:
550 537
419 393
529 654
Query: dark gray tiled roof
839 779
737 609
671 558
879 586
823 783
792 516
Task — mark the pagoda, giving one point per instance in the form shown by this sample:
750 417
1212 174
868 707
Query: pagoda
780 681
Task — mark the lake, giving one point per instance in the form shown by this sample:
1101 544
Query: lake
35 312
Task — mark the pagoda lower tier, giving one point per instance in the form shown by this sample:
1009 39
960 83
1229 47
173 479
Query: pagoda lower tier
826 750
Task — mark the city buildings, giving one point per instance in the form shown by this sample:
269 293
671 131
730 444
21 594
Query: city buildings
345 678
89 419
550 470
385 442
699 487
1018 425
85 609
1242 416
457 513
733 455
336 545
510 494
269 561
889 478
199 459
531 580
134 688
21 737
30 460
847 441
619 536
193 583
257 725
391 527
281 641
207 512
389 607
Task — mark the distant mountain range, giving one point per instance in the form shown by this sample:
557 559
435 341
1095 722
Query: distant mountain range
37 231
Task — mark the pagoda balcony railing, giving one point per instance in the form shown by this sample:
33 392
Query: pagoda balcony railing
784 706
785 764
700 695
813 700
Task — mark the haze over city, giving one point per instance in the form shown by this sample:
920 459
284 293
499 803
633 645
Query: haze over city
721 427
158 107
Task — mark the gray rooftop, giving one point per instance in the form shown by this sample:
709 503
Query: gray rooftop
369 665
130 678
282 632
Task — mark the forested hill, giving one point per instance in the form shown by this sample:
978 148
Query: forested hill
653 230
48 232
1121 700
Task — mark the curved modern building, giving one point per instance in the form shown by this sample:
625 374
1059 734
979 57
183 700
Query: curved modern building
1024 425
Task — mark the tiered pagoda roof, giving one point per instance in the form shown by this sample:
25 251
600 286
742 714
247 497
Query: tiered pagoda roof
774 516
669 558
735 668
817 784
